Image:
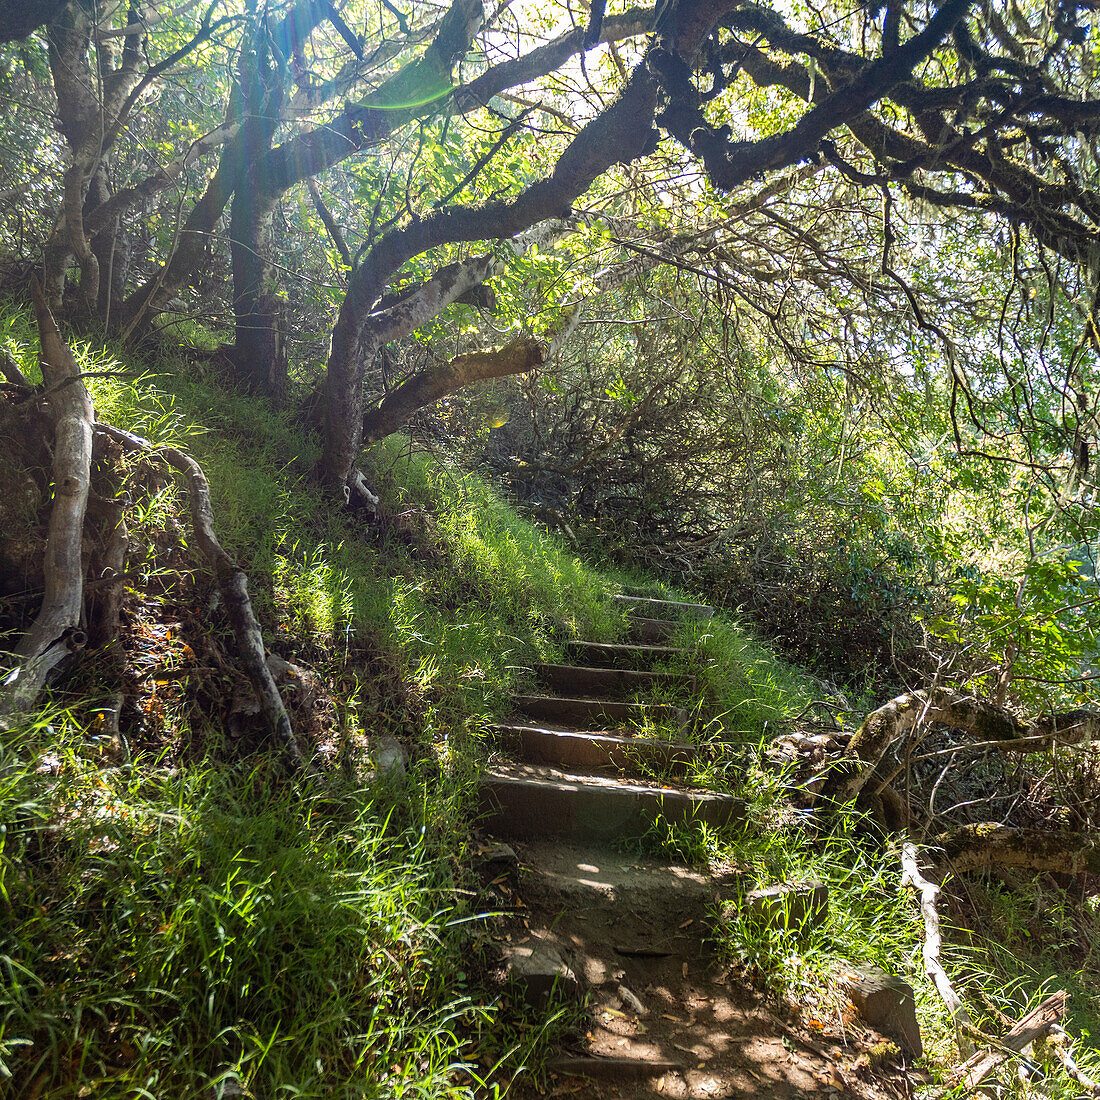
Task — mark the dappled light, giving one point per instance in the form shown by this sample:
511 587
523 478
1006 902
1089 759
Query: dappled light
549 549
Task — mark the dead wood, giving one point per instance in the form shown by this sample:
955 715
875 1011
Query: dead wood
1036 1024
977 847
232 584
989 722
929 892
1060 1044
58 630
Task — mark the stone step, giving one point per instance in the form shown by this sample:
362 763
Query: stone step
596 714
528 801
580 749
664 609
618 655
578 680
651 631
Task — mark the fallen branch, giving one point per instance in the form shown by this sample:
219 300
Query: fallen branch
990 722
1059 1043
929 892
58 630
232 584
977 847
1035 1025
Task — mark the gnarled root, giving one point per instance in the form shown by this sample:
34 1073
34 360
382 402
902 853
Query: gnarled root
232 584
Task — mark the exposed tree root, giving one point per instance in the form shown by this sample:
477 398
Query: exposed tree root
58 631
232 584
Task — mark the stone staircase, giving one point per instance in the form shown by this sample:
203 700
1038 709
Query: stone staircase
583 771
583 761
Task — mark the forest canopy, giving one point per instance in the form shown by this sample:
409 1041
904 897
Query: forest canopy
813 239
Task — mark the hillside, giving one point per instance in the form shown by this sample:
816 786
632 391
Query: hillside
187 917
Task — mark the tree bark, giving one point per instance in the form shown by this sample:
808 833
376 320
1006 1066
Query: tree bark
430 385
980 847
987 721
58 630
933 966
1033 1026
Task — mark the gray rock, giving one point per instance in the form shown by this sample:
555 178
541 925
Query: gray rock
798 906
887 1003
388 756
537 970
500 855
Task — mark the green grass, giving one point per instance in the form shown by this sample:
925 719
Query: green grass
189 924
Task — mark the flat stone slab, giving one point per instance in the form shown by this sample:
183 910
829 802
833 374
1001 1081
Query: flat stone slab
584 749
665 609
598 713
537 970
623 655
887 1003
531 801
583 877
577 680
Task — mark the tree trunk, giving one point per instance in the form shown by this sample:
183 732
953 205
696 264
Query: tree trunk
984 720
58 630
255 300
518 357
978 847
343 405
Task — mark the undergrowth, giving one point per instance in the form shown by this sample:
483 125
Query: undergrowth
187 923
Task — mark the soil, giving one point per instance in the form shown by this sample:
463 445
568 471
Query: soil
666 1018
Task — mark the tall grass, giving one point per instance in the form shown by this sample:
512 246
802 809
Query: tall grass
209 930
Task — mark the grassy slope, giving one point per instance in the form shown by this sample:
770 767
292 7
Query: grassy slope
183 924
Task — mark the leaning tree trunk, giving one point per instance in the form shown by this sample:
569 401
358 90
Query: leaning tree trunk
991 723
255 300
58 630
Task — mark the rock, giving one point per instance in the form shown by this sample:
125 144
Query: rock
500 855
388 756
887 1003
798 906
537 970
